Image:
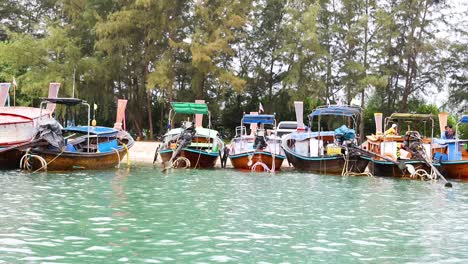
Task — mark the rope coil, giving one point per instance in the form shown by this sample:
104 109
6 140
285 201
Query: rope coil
25 162
263 165
176 163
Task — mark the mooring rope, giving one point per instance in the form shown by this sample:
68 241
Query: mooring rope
346 172
128 154
118 156
264 166
176 162
44 164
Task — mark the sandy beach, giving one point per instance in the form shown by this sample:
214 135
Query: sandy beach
143 152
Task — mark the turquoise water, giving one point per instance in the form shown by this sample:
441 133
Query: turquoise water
211 216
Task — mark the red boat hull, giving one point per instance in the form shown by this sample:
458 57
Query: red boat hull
245 161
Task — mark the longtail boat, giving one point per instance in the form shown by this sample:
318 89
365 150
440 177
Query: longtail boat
190 145
328 152
18 126
77 147
453 154
402 155
258 151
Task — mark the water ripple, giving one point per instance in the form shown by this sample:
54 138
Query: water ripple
144 216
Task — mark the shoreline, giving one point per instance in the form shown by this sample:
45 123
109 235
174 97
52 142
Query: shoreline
142 152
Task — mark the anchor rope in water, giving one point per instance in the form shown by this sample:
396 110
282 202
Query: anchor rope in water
118 156
347 172
128 154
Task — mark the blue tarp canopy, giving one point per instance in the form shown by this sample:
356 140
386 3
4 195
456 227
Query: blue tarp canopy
464 119
263 119
98 130
337 110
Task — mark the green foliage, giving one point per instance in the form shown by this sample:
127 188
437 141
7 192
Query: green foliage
35 62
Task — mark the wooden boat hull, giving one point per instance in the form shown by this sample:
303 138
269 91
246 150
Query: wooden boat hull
9 160
384 168
328 164
68 161
245 161
455 169
198 158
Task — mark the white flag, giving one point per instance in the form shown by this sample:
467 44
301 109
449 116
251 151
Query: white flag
260 108
14 82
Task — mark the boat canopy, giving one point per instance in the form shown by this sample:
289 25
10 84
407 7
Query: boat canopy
64 101
411 116
255 119
189 108
464 119
201 131
338 110
97 130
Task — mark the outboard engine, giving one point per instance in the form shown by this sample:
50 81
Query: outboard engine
413 143
187 135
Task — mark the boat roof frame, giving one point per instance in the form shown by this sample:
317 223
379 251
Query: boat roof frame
173 112
69 102
262 119
351 111
410 117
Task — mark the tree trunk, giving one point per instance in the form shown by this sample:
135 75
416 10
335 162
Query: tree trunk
363 92
198 83
150 115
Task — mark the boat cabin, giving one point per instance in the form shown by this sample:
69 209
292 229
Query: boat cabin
259 139
191 133
393 145
97 139
326 142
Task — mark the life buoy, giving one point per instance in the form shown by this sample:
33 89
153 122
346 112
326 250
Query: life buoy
390 156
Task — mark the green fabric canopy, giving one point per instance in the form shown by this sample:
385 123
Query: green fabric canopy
189 108
410 116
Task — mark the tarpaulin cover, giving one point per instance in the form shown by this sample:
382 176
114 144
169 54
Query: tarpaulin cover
346 132
255 119
51 131
303 136
464 119
411 116
337 110
190 108
93 130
